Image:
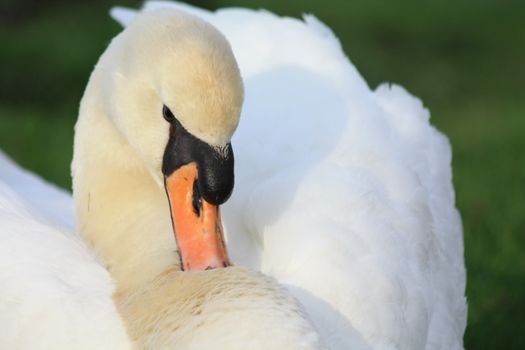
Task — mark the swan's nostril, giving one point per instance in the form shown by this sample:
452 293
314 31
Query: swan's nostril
197 199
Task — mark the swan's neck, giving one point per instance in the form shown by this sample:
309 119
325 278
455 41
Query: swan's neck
122 213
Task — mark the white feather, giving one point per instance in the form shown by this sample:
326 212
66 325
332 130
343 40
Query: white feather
55 294
343 193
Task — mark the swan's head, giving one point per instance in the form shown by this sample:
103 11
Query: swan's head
172 87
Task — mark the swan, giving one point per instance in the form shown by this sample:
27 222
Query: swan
343 195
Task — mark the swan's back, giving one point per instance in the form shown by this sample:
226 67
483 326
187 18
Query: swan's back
46 201
345 192
54 294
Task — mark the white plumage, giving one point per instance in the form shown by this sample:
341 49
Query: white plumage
343 194
54 294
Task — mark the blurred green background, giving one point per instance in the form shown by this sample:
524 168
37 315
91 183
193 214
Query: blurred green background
465 60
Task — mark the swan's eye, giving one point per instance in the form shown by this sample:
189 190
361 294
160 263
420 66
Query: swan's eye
167 114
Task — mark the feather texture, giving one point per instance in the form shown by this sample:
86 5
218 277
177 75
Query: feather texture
343 194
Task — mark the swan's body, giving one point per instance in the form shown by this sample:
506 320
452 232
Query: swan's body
342 194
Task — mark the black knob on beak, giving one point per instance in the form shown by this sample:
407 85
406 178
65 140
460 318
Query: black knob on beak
215 164
216 178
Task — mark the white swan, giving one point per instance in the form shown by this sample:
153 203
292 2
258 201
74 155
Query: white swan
343 194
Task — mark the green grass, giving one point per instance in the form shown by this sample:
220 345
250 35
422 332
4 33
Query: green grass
464 61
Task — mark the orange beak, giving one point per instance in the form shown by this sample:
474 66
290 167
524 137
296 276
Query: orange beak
196 222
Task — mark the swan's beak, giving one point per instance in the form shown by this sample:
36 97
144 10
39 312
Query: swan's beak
196 222
198 178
